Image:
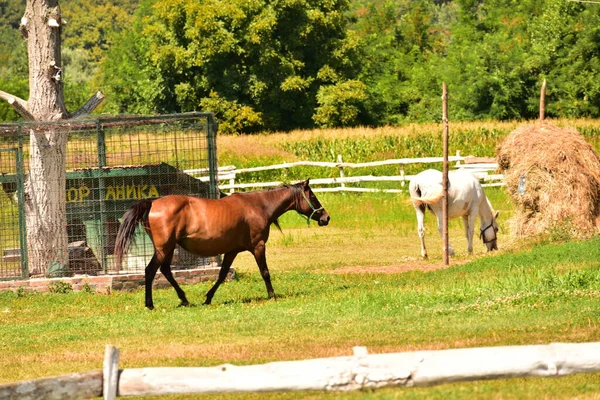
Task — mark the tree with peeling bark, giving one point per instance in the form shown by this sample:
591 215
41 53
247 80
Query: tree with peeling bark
45 203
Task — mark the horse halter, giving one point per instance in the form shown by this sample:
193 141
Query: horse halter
482 237
314 210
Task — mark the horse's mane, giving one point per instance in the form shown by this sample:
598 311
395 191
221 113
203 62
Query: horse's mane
296 191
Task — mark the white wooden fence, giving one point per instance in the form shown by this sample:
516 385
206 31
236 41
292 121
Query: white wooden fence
359 371
483 168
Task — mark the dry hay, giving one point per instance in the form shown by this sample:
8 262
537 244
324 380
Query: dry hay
562 180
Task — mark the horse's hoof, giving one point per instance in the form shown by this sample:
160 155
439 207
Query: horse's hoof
184 304
150 308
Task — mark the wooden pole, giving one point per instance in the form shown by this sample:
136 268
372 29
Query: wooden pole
543 102
110 373
445 244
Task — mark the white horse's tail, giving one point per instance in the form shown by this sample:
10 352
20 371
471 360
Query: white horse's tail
418 200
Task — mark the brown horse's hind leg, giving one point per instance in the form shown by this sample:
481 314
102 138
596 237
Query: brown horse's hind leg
165 269
151 269
227 261
261 261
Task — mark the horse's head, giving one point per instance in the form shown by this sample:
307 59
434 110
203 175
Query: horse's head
489 233
309 205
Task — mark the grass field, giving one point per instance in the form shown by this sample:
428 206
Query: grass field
358 281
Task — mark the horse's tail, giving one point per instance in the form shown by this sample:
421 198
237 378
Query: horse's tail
138 213
419 201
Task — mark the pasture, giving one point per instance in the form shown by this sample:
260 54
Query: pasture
359 281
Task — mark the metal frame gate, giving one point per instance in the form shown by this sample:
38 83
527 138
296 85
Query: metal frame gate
111 163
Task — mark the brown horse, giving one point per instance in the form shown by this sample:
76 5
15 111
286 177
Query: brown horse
208 227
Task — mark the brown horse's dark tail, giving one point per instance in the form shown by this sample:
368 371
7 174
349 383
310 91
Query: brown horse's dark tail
138 213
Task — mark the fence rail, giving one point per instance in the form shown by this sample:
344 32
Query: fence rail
359 371
482 168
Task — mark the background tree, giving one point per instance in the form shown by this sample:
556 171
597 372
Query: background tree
278 65
45 202
565 38
262 61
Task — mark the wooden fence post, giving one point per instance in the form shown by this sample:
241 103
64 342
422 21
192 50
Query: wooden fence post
232 182
543 102
341 168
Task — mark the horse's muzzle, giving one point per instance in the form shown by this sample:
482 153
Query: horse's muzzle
324 219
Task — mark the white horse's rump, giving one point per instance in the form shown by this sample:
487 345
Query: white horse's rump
466 199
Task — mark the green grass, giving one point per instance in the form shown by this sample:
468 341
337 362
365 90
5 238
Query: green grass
358 281
545 293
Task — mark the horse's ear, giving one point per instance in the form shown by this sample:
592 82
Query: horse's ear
305 183
496 215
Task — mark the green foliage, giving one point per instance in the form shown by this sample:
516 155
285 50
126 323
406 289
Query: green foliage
265 65
20 292
88 34
87 288
127 77
565 45
233 116
264 60
339 104
60 287
92 26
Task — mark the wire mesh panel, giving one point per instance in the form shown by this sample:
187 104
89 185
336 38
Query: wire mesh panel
10 222
111 164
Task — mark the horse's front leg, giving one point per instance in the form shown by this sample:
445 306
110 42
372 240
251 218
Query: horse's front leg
468 232
421 228
261 261
440 230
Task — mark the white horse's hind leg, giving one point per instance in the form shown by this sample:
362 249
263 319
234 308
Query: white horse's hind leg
421 228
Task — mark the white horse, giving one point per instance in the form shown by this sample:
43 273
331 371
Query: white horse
466 199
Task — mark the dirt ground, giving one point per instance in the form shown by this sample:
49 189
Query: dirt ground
407 265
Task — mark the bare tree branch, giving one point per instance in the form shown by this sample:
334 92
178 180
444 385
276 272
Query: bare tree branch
90 105
18 104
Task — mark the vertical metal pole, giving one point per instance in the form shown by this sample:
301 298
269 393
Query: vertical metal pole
211 137
445 176
101 194
213 166
21 203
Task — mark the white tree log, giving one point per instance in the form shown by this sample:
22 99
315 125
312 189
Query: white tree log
90 105
85 385
18 104
422 368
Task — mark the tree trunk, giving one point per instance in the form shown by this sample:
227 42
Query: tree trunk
45 203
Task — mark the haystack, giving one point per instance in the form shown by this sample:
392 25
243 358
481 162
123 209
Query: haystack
559 174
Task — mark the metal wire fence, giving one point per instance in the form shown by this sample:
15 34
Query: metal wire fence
111 163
